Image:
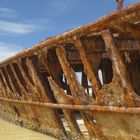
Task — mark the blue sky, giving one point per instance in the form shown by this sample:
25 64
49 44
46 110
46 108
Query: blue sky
23 23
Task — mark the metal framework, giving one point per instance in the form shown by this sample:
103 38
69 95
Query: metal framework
55 87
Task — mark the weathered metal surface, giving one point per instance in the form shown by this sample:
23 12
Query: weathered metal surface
120 4
90 74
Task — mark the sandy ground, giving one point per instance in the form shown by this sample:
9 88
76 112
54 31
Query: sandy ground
9 131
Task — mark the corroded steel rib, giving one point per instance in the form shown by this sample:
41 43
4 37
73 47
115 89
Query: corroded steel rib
24 92
36 80
77 90
24 114
63 98
33 93
17 93
80 96
4 88
96 85
30 93
8 86
120 72
45 97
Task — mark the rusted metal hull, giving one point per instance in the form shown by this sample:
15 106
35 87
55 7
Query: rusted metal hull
55 87
116 123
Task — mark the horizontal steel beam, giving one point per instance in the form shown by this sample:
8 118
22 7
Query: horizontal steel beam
95 108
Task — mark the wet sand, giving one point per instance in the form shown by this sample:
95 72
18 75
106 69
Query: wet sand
9 131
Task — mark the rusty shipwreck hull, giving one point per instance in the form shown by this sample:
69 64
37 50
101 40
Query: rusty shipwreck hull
55 87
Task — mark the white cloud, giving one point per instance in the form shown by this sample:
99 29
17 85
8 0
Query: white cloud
17 28
7 50
7 26
12 24
58 7
7 12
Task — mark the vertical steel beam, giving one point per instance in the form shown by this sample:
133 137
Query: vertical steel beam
3 92
23 90
8 85
79 94
119 69
33 93
96 85
13 86
38 84
30 95
37 81
63 98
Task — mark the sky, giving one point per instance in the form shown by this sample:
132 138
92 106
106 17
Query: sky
23 23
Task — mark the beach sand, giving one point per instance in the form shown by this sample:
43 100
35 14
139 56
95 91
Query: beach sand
9 131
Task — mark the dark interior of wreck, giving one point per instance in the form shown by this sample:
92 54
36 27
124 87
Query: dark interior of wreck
99 61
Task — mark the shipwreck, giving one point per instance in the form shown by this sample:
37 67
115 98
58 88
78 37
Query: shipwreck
55 87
